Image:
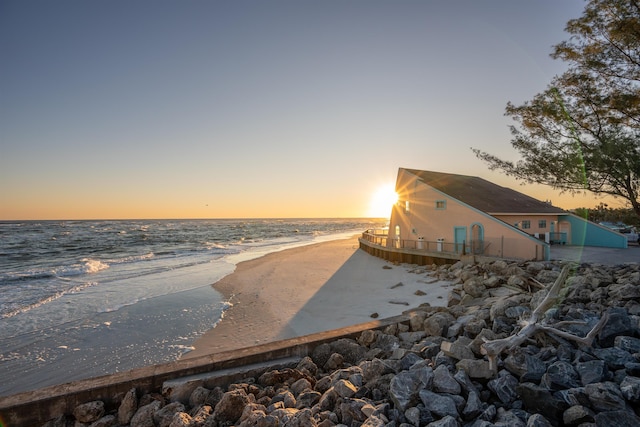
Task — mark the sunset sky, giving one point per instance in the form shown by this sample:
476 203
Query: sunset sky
218 109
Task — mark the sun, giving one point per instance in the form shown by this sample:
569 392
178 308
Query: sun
382 201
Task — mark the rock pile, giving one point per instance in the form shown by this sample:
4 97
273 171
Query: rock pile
431 371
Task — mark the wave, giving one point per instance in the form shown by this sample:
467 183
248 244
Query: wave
132 258
226 305
23 309
87 266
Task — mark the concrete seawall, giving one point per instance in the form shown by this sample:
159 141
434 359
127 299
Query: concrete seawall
34 408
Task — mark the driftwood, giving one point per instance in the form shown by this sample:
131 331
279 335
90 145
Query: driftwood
493 348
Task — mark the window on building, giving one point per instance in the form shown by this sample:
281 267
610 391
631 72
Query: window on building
542 223
441 204
397 231
526 224
406 206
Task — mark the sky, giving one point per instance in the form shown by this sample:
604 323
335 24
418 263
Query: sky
259 109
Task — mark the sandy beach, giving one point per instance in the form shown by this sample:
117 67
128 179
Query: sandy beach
311 289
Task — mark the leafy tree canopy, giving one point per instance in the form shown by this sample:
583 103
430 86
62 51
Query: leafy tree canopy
582 133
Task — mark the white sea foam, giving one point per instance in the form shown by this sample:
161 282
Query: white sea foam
93 265
23 309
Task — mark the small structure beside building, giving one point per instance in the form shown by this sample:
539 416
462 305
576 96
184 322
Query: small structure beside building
459 215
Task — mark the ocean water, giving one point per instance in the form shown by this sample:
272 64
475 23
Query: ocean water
80 299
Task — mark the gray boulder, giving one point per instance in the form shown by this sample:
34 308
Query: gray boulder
439 404
605 396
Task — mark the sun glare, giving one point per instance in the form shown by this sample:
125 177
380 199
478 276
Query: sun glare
382 201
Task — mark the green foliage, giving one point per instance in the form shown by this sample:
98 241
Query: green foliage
581 133
603 213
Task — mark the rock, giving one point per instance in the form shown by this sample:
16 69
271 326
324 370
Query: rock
525 366
465 382
538 420
578 414
517 312
438 324
475 368
408 360
626 292
617 419
404 387
286 397
473 327
335 362
416 321
605 396
474 287
614 357
373 369
618 323
201 415
307 367
438 404
181 419
351 411
307 399
447 421
128 407
539 400
628 344
350 350
459 349
229 409
321 354
89 412
278 377
632 369
560 375
199 396
492 282
345 388
504 387
412 337
144 415
630 389
164 416
299 386
547 276
328 399
593 371
509 418
473 407
443 381
106 421
387 343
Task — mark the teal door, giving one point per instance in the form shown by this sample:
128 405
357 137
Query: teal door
460 236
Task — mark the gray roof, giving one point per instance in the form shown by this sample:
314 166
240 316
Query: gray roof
484 195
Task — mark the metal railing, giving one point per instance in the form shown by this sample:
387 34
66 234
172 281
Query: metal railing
439 245
500 247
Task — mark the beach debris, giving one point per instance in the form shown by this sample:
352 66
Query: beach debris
563 351
399 302
386 267
429 282
533 324
420 293
397 285
375 315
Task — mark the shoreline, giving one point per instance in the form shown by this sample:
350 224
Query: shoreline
313 288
